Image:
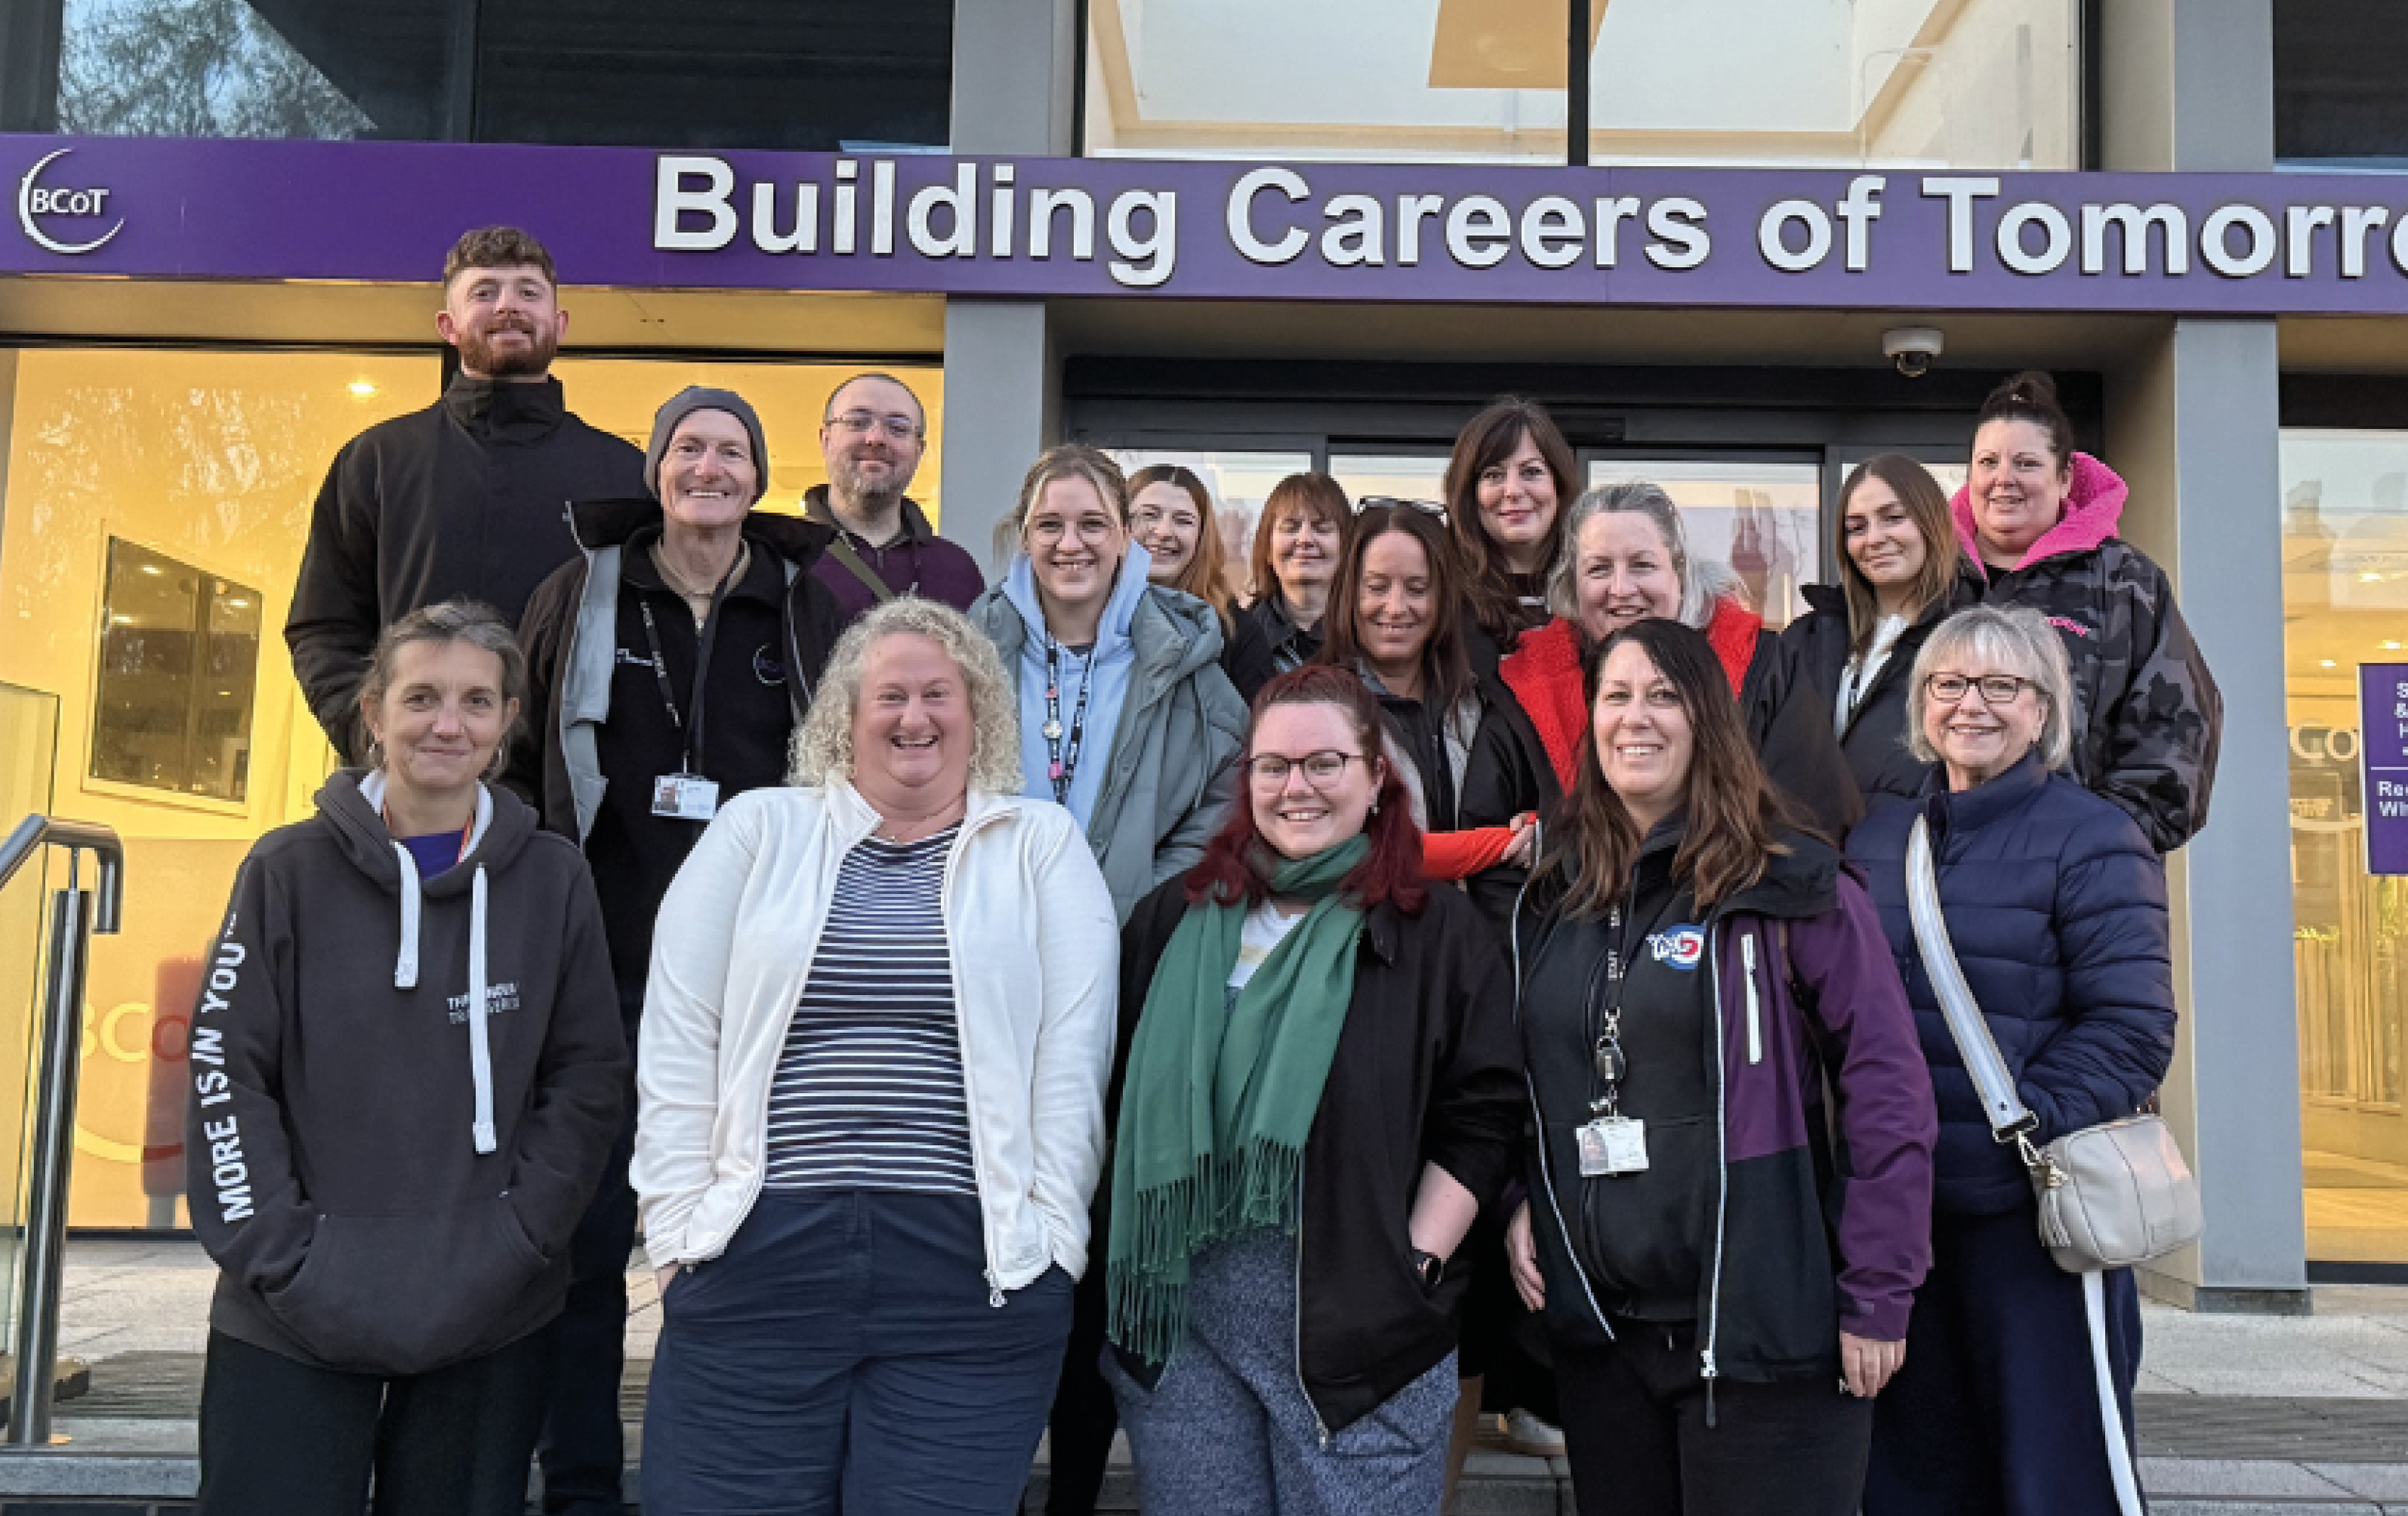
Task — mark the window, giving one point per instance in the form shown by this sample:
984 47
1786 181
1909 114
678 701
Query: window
178 661
2337 69
796 74
2344 603
1962 83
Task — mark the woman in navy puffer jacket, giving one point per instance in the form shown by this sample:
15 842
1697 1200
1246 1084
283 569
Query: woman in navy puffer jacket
2057 905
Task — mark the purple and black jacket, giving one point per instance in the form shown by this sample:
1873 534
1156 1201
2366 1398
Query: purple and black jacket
1818 1225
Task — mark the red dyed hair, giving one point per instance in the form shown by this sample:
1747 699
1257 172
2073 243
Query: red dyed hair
1392 872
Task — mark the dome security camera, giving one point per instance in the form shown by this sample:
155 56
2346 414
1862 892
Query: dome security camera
1912 348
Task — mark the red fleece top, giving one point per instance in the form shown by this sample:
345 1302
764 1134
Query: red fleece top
1544 673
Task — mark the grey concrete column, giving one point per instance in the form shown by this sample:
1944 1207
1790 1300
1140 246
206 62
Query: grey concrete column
1015 68
1002 385
2193 421
2193 425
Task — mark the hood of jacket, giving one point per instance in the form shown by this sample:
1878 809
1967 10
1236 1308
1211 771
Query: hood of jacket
2094 507
817 510
612 524
352 803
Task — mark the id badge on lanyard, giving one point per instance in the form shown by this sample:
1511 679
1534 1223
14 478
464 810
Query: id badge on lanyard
1612 1143
684 795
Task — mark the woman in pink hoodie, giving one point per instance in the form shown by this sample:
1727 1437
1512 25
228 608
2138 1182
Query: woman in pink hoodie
2038 520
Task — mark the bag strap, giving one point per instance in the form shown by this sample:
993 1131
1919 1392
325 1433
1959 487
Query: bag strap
2010 1120
842 551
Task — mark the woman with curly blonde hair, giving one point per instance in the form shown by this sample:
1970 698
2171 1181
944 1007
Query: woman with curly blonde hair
874 1057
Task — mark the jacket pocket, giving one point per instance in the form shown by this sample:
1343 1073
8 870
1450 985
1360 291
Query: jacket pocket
402 1294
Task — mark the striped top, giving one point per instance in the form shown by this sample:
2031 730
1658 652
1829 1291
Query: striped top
868 1091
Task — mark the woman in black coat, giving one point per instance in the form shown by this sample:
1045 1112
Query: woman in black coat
1901 572
2055 905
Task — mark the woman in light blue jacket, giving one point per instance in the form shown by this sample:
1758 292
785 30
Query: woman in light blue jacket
1125 716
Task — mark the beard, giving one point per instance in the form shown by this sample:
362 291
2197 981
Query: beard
478 354
871 496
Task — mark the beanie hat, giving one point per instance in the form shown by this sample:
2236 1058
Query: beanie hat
685 403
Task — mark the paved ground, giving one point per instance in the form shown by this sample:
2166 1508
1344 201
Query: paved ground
2240 1416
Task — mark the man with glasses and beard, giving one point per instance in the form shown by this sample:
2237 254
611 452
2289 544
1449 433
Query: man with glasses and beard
872 436
467 498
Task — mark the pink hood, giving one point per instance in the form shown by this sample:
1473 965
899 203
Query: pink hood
2094 504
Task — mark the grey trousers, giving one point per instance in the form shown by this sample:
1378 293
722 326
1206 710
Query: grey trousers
1226 1431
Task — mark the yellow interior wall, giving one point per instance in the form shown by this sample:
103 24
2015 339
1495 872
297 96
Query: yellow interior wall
214 458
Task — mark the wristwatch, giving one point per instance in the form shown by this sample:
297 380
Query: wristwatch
1429 1267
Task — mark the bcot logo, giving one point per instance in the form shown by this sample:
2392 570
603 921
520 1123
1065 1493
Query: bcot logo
35 199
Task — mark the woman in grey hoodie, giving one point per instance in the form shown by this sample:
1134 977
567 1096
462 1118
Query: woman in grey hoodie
406 1071
1125 716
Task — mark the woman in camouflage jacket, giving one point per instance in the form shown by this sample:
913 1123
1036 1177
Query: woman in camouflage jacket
2039 521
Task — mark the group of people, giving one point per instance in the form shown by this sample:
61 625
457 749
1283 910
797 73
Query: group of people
1467 971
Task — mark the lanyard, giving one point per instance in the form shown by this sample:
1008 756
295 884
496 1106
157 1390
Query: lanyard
1061 763
690 727
1611 1062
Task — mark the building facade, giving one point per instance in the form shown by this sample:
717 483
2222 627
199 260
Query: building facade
1255 238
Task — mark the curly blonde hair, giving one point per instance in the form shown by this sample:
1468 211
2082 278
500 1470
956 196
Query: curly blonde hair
822 745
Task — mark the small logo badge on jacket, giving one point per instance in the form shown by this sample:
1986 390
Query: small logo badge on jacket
1679 946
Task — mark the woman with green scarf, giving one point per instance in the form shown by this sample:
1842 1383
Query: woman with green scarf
1322 1090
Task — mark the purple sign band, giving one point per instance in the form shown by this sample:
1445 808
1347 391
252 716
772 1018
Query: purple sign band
2208 244
2383 749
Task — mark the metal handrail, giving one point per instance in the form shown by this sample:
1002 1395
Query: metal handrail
53 1147
76 836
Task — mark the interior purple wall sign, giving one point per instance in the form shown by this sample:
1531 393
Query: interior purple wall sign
2383 749
1218 229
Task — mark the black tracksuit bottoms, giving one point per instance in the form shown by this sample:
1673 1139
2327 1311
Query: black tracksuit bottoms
1636 1432
283 1438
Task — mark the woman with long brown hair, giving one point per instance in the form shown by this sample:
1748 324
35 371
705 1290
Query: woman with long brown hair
1298 541
1694 972
1511 474
1170 517
1901 572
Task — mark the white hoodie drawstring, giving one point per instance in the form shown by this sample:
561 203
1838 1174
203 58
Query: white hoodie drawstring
405 968
481 1059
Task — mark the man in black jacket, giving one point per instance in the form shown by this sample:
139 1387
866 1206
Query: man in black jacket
668 663
467 498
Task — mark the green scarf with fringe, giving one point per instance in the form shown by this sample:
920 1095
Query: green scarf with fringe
1220 1098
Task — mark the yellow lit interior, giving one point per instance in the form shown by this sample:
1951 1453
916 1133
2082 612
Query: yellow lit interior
2345 603
213 459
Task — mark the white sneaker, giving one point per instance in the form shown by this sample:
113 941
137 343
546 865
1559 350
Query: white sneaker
1532 1438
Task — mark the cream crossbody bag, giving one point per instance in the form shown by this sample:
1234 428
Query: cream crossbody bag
2111 1195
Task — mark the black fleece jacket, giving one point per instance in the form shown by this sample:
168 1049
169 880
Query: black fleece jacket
1427 1070
333 1165
1875 739
467 498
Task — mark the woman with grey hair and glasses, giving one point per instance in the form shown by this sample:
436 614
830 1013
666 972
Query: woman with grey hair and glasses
2056 904
872 1101
1625 559
406 1071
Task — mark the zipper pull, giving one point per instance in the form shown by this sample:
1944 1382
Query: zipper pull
994 1290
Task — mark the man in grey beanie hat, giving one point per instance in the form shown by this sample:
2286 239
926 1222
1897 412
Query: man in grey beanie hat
668 665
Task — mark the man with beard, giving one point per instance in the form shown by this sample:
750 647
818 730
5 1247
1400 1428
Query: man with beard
872 436
467 498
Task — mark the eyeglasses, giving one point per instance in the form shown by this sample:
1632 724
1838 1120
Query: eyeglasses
1321 769
1996 689
1046 530
861 422
1397 501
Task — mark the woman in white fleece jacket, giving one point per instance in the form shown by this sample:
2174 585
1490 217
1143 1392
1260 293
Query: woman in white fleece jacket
871 1082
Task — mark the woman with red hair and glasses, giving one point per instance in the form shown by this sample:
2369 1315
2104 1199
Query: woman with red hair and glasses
1321 1093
